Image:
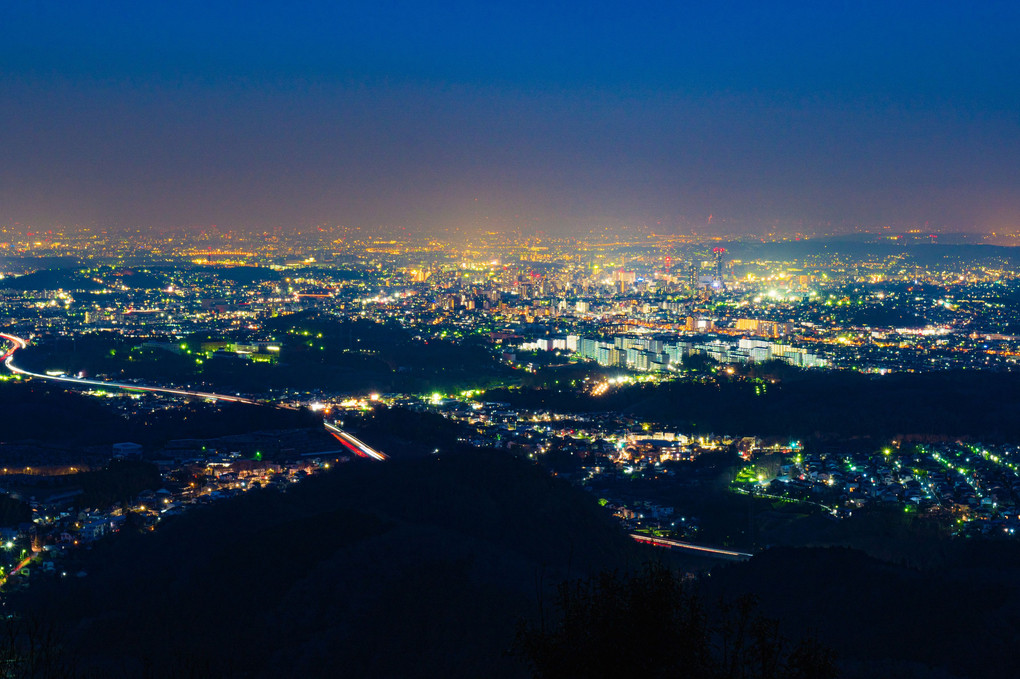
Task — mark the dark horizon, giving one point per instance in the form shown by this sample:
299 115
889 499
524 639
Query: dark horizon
734 117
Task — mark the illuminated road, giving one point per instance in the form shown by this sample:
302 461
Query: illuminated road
21 344
759 493
710 551
14 571
356 446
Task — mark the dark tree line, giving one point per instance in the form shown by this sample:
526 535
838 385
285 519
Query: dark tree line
808 404
651 624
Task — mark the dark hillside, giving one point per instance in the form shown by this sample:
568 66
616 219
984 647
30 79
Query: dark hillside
809 404
35 411
884 619
409 568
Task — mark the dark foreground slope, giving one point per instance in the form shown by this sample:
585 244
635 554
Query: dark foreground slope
958 619
410 568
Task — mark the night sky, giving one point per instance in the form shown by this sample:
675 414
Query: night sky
466 115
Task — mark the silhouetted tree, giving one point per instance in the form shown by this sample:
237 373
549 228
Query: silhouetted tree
651 625
30 649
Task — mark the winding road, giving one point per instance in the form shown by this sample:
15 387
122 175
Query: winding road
351 443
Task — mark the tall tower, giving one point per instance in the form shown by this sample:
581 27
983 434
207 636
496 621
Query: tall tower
717 254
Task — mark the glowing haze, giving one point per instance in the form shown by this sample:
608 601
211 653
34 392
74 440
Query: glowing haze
437 115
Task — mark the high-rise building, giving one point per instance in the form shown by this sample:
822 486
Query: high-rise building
717 257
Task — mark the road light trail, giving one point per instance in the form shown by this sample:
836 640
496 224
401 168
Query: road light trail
355 445
664 542
14 571
21 344
78 381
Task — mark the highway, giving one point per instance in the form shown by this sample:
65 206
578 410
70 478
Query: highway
709 551
351 443
356 446
77 381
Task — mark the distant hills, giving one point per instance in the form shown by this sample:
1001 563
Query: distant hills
50 279
918 248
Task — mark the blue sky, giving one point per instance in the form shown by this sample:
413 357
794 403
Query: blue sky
538 115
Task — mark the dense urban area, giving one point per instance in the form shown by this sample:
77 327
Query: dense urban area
715 397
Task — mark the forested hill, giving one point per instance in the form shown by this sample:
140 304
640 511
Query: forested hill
35 411
420 567
956 619
807 404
